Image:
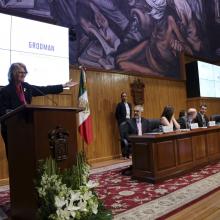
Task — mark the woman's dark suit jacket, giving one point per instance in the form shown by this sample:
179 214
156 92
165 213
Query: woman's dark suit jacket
9 99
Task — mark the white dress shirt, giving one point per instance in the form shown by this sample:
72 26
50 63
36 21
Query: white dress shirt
127 110
139 126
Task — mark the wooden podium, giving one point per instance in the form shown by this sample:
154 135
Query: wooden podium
28 128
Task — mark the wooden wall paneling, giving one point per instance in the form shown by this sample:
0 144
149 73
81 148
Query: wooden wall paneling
214 147
3 164
166 155
104 91
145 162
184 151
199 145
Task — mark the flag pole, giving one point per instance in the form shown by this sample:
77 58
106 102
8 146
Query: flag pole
85 120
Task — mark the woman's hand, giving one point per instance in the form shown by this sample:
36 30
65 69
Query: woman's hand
70 84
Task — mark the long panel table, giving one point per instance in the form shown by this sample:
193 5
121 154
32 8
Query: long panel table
157 157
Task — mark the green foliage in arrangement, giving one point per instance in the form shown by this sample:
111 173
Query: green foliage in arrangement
68 194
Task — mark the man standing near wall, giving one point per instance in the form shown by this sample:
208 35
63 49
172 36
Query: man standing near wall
123 113
123 109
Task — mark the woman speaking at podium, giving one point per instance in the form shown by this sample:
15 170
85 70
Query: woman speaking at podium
18 92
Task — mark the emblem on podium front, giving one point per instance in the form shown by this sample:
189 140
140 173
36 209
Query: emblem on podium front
58 141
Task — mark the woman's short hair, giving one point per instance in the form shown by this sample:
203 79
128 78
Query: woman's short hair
13 69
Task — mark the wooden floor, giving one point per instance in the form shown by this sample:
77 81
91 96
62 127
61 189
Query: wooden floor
206 209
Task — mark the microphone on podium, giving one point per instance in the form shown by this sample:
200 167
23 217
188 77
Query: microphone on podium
45 95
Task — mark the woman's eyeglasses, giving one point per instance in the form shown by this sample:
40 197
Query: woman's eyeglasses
22 72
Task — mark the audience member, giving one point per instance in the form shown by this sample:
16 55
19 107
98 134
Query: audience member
168 119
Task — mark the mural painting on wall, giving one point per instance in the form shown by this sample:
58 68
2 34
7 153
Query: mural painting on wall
142 36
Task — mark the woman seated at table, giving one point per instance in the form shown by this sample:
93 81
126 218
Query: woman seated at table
168 119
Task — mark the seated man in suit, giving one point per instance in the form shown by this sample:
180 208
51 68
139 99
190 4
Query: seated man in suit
136 125
201 117
187 119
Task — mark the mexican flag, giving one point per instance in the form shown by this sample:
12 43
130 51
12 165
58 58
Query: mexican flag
85 119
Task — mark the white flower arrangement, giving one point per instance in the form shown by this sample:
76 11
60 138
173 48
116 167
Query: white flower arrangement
68 195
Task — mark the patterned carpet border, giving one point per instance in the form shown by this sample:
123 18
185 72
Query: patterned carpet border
4 188
165 204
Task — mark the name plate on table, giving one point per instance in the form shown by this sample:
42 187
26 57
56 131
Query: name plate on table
167 129
211 123
194 126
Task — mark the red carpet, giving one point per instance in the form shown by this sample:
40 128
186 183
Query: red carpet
121 194
130 199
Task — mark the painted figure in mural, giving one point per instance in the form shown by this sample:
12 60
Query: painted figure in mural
133 35
64 12
128 25
160 51
34 7
190 22
103 40
2 3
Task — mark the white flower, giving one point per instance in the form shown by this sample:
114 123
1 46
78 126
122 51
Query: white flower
72 207
94 208
72 214
91 184
59 202
87 195
74 196
69 203
62 214
82 205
